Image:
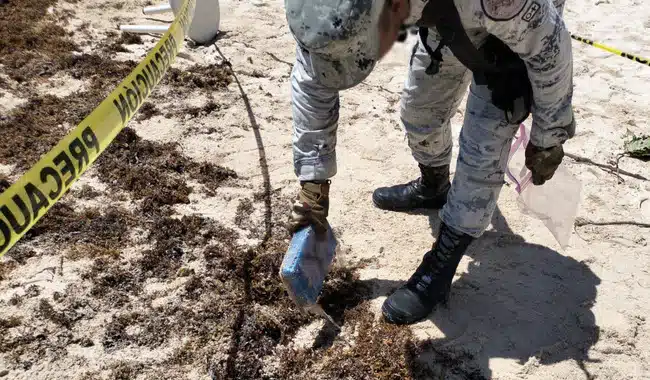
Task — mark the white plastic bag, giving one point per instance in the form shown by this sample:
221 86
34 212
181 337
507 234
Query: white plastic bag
555 203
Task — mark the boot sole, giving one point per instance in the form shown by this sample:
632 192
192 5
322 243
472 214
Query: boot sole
389 314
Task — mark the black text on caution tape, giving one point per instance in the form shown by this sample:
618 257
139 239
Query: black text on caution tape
34 198
131 97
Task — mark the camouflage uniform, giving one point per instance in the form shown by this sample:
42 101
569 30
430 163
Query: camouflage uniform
534 29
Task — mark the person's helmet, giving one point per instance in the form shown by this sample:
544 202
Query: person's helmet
341 36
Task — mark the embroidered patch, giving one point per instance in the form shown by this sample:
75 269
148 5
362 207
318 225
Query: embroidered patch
502 10
531 11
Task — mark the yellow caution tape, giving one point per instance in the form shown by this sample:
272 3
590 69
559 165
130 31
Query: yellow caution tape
27 200
635 58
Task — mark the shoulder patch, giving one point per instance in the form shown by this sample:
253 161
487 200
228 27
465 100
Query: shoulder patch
502 10
531 11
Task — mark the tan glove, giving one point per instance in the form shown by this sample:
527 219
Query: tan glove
311 207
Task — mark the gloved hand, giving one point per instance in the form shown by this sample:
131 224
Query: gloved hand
311 207
542 162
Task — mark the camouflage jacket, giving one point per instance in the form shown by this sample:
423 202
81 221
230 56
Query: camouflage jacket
533 29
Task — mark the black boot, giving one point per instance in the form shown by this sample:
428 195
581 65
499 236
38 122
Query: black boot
430 283
428 191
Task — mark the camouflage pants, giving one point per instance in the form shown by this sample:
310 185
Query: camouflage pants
428 103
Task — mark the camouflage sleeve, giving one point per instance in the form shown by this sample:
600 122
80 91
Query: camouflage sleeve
534 29
315 110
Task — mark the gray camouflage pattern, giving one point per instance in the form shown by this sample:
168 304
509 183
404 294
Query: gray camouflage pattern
341 36
429 102
315 110
544 43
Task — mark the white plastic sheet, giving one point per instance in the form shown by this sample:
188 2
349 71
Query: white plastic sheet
555 203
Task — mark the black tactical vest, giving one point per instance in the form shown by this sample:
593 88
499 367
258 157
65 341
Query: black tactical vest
494 64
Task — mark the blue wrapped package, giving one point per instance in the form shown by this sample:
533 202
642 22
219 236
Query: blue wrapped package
306 265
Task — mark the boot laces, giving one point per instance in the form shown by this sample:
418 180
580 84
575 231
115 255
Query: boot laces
415 183
434 266
430 271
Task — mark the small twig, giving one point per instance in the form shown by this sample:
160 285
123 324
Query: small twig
50 269
279 60
381 88
184 55
156 19
373 159
247 45
618 158
608 168
254 74
575 229
586 222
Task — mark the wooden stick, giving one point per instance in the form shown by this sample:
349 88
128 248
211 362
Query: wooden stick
609 168
586 222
